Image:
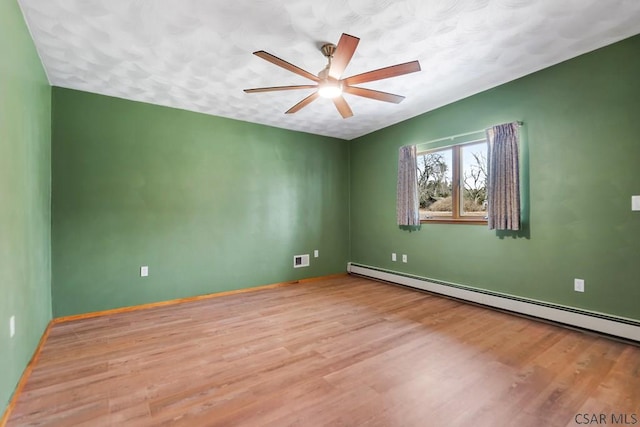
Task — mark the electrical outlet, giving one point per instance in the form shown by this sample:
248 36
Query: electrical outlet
393 257
635 203
144 271
12 326
578 285
404 258
316 253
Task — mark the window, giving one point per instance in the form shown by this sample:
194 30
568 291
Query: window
452 183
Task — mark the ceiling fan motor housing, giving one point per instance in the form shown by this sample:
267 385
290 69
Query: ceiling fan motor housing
328 50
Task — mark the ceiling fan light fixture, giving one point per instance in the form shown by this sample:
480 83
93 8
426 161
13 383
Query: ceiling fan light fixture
330 89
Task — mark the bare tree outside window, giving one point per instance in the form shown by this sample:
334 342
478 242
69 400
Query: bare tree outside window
474 179
452 182
435 183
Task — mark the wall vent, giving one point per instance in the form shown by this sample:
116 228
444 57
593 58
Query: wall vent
300 261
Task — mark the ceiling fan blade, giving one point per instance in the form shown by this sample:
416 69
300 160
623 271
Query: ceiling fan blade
300 105
276 88
343 107
384 73
373 94
343 54
286 65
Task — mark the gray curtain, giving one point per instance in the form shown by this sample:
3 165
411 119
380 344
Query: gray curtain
407 201
504 177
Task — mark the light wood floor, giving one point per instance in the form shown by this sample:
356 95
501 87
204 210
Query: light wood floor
347 351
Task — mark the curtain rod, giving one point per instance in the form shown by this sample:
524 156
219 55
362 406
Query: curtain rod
452 137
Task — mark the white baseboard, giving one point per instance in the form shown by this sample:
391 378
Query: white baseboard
600 322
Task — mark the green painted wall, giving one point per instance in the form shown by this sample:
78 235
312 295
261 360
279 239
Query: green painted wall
25 196
582 147
209 204
212 204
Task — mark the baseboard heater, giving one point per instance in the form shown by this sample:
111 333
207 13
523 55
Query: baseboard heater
610 325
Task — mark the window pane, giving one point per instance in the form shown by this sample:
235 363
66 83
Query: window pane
474 179
434 183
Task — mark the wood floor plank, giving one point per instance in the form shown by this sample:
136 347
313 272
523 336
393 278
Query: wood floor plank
344 351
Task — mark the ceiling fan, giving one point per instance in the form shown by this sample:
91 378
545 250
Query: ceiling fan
329 81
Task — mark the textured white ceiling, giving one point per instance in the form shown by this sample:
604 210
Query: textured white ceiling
196 54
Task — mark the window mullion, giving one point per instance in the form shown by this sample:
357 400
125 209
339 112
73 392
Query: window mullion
455 197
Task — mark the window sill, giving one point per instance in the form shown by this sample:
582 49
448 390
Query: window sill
468 221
